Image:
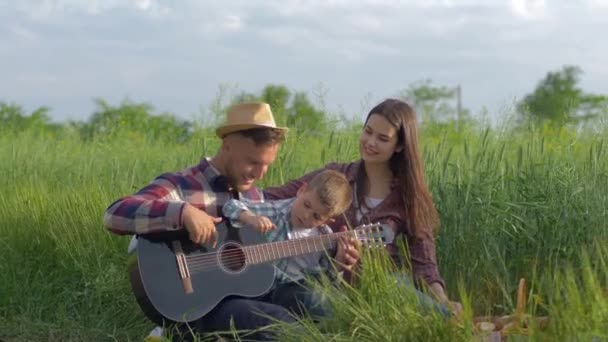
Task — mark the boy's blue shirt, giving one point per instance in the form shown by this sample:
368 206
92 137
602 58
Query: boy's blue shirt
278 212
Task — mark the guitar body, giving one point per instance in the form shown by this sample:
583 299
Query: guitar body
214 273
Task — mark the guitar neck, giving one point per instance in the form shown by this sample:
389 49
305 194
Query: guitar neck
272 251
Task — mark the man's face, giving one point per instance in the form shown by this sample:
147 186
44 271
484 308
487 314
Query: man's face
246 161
307 210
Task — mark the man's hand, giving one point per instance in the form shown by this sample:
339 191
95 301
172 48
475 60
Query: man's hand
347 255
260 223
200 225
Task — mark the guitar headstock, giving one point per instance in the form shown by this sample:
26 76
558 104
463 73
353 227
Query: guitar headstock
374 235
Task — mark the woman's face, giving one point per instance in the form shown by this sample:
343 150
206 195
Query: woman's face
378 140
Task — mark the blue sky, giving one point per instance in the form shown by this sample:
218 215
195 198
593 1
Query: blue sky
177 54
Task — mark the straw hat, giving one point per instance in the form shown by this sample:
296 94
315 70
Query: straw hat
245 116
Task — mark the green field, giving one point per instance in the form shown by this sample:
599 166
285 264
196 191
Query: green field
513 203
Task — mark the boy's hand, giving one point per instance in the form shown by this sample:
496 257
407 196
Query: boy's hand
260 223
347 255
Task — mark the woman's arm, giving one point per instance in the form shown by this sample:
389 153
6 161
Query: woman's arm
289 189
424 260
424 264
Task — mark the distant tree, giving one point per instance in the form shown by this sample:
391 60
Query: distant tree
277 96
559 100
292 109
303 115
244 97
14 118
432 102
135 118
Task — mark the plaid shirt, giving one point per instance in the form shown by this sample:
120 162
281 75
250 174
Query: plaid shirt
288 269
421 249
158 206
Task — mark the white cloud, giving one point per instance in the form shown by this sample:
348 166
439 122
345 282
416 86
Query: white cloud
494 48
529 9
232 22
23 34
143 5
598 3
47 9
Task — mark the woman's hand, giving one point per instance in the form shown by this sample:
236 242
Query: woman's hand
439 292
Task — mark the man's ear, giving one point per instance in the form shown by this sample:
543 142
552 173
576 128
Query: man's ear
302 188
227 142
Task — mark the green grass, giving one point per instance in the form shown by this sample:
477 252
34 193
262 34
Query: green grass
513 204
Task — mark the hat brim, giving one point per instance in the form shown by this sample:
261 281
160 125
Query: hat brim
227 129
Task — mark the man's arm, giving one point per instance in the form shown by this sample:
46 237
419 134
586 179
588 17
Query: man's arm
155 208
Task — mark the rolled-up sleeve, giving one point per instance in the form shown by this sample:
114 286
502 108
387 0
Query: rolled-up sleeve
232 209
155 208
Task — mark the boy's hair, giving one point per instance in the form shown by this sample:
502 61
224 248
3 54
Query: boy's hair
333 190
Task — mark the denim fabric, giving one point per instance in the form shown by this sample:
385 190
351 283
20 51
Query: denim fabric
282 301
243 314
300 299
426 302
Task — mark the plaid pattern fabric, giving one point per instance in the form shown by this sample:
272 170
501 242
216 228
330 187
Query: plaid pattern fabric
422 254
158 206
288 269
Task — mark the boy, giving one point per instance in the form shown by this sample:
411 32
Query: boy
328 195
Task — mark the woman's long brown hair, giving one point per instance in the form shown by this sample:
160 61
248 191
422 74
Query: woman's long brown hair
420 212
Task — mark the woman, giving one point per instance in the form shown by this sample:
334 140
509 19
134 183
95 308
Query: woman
389 187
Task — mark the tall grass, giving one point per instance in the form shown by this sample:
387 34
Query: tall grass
512 204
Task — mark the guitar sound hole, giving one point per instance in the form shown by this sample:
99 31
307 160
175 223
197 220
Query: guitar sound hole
232 258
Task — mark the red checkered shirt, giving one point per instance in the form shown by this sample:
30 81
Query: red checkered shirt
158 206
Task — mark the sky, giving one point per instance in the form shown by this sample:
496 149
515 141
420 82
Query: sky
179 56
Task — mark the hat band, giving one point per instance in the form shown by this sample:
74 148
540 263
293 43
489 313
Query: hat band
267 123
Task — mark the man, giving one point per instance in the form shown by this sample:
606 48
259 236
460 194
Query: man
192 199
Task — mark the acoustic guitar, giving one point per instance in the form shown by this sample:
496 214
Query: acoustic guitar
183 281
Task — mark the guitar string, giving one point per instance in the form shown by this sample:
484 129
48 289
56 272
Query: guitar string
237 260
239 257
273 247
242 253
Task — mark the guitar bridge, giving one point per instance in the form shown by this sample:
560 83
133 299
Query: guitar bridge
182 266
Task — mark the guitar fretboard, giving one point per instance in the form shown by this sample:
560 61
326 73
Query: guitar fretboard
262 253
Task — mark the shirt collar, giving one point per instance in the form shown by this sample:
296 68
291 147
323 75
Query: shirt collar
213 176
351 174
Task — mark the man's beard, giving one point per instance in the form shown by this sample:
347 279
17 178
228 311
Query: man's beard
234 183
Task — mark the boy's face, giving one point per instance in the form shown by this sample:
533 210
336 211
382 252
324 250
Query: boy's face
307 210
